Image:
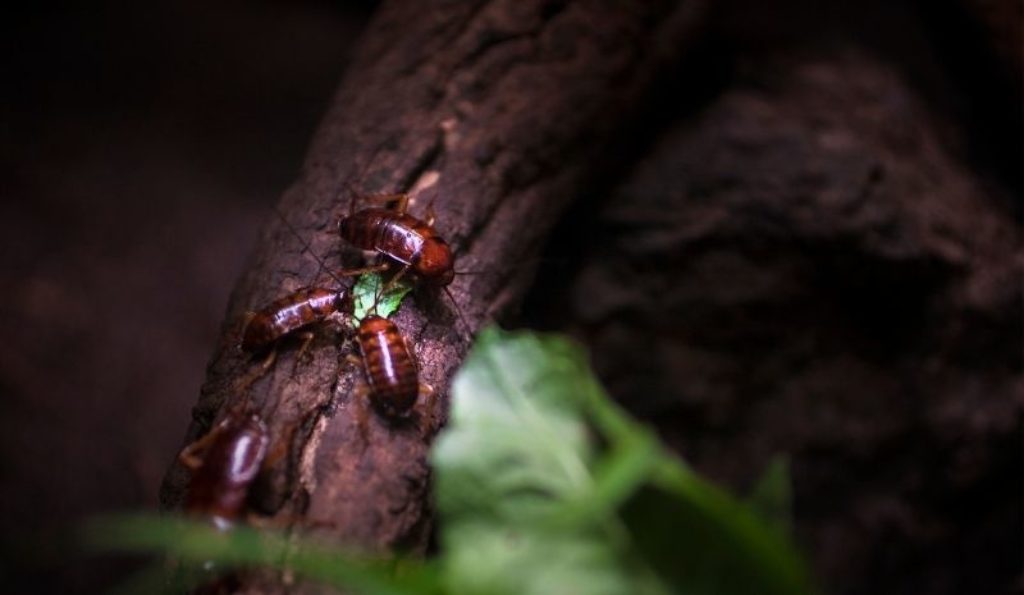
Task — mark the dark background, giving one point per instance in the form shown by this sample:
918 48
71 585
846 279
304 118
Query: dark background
142 147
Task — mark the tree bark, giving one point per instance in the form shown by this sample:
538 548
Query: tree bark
495 112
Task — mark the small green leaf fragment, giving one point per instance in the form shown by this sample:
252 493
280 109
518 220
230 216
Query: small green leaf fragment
372 295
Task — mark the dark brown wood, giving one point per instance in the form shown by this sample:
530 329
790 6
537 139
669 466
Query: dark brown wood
809 268
495 112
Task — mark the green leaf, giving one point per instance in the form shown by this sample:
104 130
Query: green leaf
705 541
545 485
517 480
772 495
369 296
197 544
515 446
488 559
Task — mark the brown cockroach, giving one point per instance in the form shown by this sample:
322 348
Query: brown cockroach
390 367
286 315
412 243
224 464
391 372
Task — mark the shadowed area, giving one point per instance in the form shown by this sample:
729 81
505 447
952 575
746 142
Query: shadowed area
142 147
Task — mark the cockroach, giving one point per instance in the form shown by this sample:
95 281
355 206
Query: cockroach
286 315
390 367
391 372
412 243
225 462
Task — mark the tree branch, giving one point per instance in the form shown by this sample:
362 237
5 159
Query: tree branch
496 111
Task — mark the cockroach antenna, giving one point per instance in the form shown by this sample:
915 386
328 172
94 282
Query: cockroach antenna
322 265
306 247
458 311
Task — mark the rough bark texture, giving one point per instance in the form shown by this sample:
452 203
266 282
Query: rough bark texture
496 113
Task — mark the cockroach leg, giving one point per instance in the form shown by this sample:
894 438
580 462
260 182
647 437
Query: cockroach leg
239 331
303 354
427 410
377 268
192 455
247 381
394 280
430 214
267 363
400 199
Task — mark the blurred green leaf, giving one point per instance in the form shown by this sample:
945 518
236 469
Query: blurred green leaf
516 478
772 496
197 543
512 449
706 541
544 485
369 297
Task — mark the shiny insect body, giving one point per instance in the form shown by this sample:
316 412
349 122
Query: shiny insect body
411 242
291 313
390 367
224 464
